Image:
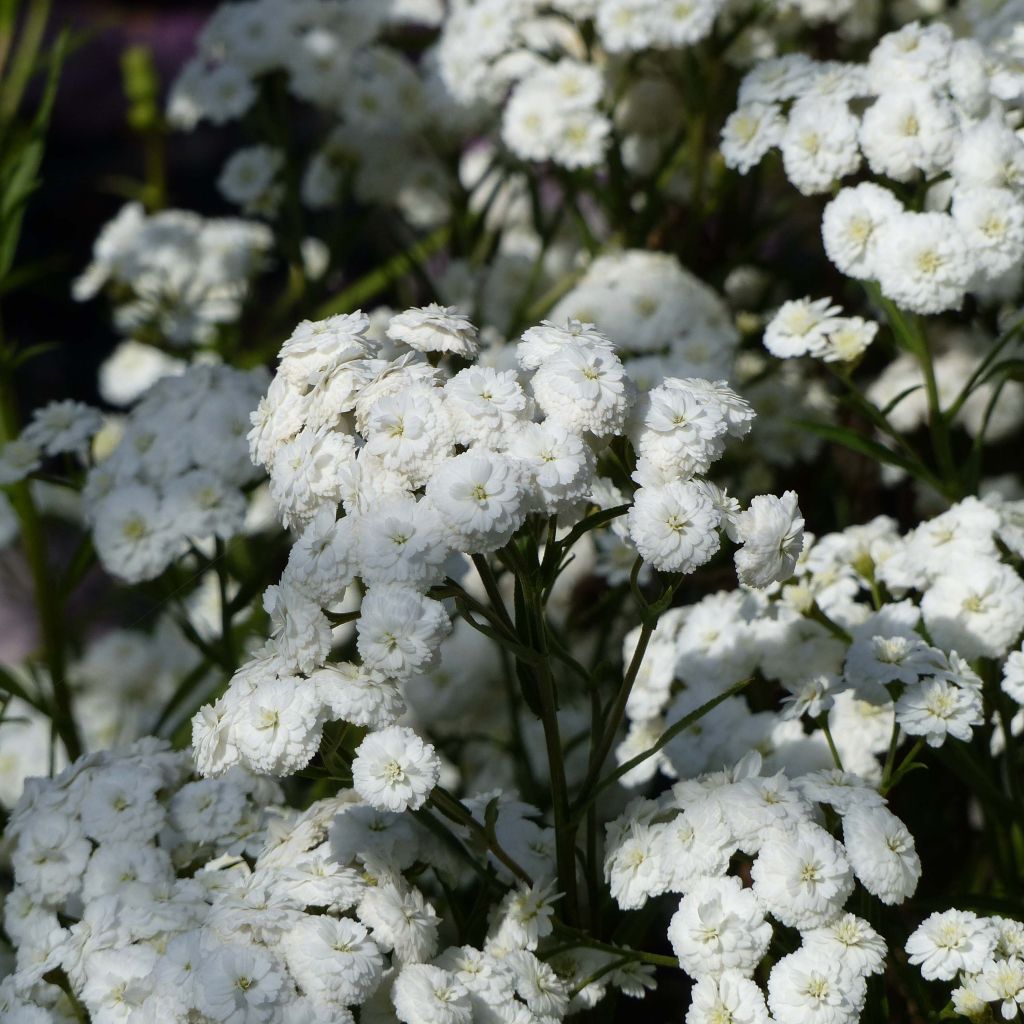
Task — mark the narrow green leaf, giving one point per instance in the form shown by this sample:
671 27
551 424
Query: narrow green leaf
9 683
858 443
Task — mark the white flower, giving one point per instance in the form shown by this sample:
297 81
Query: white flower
850 227
798 327
277 726
819 144
1002 981
401 540
560 463
802 877
923 262
882 853
772 534
749 133
435 328
332 960
851 941
808 988
394 769
66 426
135 533
423 994
975 608
585 388
728 999
401 920
482 498
936 708
719 926
846 339
950 942
400 631
674 527
484 404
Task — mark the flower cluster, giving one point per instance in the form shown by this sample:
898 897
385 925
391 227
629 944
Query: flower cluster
151 895
873 674
686 842
174 275
429 466
984 954
926 111
178 475
559 71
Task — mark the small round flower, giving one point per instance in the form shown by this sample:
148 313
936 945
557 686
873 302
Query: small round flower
394 769
936 708
850 226
851 941
560 463
484 404
802 877
882 853
798 325
423 994
435 328
819 143
950 942
400 631
719 926
772 534
728 999
585 388
749 133
482 497
674 527
66 426
808 988
333 961
923 262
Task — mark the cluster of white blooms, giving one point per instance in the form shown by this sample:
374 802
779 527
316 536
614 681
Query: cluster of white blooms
174 276
926 110
902 667
60 428
558 70
816 327
688 841
984 955
429 465
179 473
386 111
152 896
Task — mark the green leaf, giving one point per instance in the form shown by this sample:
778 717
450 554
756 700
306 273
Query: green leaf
11 685
18 176
888 408
1011 369
858 443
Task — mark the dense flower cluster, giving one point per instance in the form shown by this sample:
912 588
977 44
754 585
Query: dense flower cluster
984 954
874 674
161 897
430 466
801 875
174 275
925 108
516 687
178 474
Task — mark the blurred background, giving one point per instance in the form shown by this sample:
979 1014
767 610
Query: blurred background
90 151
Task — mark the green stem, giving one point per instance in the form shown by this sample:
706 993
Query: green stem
47 601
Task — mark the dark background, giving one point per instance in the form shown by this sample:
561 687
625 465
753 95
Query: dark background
89 147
